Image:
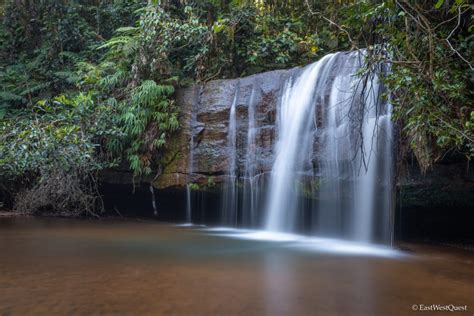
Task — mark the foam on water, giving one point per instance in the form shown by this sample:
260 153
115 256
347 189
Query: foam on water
307 243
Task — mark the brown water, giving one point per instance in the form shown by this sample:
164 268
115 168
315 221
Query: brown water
79 267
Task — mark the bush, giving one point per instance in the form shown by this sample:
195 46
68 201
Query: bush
52 151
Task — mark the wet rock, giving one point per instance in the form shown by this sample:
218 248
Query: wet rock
205 111
438 205
448 184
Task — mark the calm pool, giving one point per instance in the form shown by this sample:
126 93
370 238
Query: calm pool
118 267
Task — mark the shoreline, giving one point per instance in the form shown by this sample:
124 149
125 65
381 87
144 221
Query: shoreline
6 213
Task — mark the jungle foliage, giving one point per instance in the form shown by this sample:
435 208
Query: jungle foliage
85 85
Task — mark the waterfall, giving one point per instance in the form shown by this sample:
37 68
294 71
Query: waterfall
230 200
373 191
335 131
295 136
364 197
316 159
188 203
189 193
250 197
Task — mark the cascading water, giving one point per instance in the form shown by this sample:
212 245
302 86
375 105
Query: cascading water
189 193
374 160
250 197
295 137
331 167
366 166
330 204
188 203
230 196
328 117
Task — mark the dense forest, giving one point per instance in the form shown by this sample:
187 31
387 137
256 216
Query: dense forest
87 85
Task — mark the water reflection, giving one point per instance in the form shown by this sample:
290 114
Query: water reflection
77 267
279 291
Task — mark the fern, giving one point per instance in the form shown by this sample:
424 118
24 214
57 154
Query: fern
68 76
146 118
30 89
148 93
119 40
114 80
7 96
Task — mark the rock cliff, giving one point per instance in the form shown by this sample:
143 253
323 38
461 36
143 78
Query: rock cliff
198 153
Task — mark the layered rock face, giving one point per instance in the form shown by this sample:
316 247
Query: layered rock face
199 152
